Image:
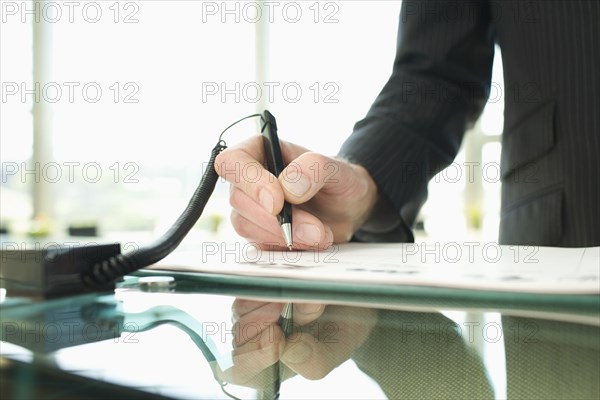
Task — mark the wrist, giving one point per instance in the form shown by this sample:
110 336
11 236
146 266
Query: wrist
379 214
368 195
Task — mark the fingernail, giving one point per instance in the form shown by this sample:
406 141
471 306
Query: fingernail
266 200
296 183
308 233
298 353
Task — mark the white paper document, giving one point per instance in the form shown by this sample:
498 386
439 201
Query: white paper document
469 265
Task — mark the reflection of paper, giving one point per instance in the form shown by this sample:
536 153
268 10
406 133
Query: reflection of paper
469 265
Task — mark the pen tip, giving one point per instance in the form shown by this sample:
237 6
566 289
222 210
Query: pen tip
287 234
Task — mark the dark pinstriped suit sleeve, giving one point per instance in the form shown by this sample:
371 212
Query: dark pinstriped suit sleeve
551 139
439 86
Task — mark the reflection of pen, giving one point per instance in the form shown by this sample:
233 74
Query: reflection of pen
275 166
285 322
286 319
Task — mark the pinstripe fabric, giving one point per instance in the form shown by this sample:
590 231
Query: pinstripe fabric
420 356
439 85
551 359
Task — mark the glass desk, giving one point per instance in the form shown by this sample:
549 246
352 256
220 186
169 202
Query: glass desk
201 339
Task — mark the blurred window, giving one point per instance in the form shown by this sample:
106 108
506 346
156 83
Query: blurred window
140 91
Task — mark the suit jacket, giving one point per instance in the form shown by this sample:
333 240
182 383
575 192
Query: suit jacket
550 161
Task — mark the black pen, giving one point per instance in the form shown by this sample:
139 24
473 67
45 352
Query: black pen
275 166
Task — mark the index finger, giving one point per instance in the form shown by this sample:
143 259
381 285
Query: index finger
242 166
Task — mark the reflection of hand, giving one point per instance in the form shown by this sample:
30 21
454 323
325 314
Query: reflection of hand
323 338
333 197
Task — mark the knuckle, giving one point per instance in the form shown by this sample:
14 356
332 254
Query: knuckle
316 160
240 224
222 160
235 198
218 162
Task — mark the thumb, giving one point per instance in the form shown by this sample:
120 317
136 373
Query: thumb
311 172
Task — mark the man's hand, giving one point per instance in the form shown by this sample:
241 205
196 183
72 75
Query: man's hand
332 197
323 337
